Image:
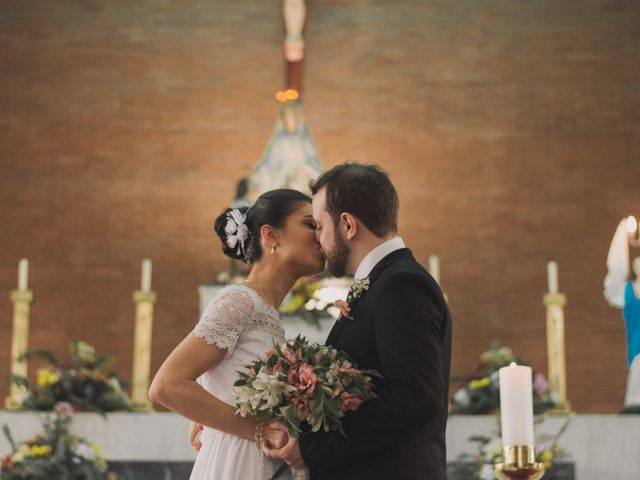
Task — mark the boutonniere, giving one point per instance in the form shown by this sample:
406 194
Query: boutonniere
357 288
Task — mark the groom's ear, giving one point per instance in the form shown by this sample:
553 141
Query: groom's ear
349 225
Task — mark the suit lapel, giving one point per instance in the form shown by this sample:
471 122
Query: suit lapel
375 273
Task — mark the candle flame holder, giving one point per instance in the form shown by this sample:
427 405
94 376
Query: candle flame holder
519 464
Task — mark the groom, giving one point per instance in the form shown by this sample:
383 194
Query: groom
398 323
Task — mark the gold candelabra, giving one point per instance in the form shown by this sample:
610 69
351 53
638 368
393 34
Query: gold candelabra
519 464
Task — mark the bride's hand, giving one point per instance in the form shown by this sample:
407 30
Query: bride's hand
274 434
194 435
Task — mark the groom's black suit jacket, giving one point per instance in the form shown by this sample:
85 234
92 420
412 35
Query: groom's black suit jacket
401 327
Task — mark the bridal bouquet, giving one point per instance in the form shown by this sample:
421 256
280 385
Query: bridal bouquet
301 383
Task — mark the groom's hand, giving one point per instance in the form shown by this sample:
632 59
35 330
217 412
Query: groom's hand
290 453
195 429
275 435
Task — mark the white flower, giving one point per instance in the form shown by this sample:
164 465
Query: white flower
236 230
486 472
83 450
22 452
493 450
267 391
462 397
243 396
331 377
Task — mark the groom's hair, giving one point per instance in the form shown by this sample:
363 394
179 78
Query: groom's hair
364 191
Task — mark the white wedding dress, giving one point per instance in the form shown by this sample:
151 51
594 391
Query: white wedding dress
237 320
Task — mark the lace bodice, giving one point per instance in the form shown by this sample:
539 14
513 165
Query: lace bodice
238 321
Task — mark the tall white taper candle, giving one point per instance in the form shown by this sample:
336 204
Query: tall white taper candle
23 274
552 276
145 283
434 267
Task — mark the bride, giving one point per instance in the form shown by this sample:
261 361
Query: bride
276 236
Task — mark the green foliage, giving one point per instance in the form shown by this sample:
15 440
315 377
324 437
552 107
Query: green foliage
479 392
88 382
54 454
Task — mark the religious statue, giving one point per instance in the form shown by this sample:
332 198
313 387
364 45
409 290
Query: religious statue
290 159
623 293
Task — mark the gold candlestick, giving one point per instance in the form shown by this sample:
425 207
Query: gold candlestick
519 464
21 300
144 301
557 372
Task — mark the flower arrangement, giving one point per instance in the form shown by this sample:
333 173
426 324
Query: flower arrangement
304 300
88 382
54 454
489 452
479 392
301 383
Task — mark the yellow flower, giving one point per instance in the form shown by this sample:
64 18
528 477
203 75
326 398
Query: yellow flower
100 460
46 377
40 450
96 448
483 382
546 456
296 303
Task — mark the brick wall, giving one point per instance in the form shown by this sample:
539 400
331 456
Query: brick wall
510 130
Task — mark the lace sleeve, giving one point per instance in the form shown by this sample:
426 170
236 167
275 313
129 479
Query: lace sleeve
224 319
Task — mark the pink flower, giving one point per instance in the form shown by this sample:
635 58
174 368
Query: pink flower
291 356
300 402
64 408
344 309
352 372
267 355
292 377
349 401
252 372
307 378
540 384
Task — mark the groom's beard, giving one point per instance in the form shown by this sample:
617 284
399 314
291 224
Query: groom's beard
337 259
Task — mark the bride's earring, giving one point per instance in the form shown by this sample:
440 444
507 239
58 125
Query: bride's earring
273 249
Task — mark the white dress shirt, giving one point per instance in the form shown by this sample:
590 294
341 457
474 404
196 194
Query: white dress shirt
374 256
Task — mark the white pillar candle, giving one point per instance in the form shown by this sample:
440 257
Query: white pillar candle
552 277
434 267
23 274
145 283
516 405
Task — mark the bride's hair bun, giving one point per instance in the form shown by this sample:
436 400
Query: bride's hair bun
234 232
239 228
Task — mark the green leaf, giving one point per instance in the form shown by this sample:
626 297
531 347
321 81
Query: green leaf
21 381
282 469
47 355
105 363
